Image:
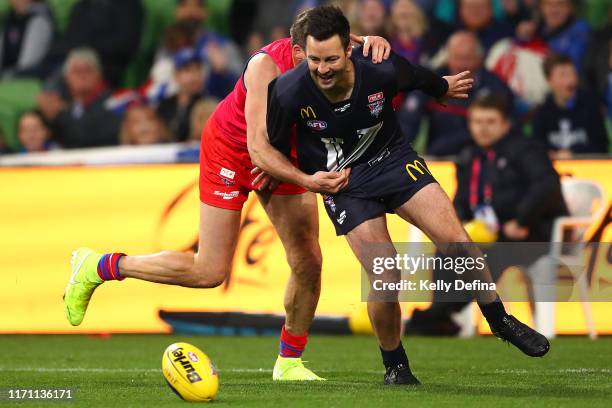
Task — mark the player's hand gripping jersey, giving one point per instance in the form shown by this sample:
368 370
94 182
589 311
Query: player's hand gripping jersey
361 133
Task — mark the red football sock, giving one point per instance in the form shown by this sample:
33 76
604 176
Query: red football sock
292 345
108 267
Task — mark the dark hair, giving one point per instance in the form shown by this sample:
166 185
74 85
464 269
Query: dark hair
324 22
554 60
38 114
492 101
297 29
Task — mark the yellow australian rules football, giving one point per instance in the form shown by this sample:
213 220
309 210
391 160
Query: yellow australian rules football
190 373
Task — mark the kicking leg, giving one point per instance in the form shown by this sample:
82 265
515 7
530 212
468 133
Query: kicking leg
208 268
295 218
431 211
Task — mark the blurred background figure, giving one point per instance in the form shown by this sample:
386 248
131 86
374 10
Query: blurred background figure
412 35
562 30
371 18
222 58
199 116
408 27
597 68
223 55
516 11
524 190
34 133
570 120
110 27
141 126
137 42
178 36
447 132
190 77
26 35
506 182
477 16
559 27
79 118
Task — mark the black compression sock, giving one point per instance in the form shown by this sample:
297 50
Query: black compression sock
392 358
494 312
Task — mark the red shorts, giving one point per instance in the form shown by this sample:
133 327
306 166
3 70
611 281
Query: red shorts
225 171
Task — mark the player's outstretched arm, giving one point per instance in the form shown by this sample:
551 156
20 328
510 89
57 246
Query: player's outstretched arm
410 77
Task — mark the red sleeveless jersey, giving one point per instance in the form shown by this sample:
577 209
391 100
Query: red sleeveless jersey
229 114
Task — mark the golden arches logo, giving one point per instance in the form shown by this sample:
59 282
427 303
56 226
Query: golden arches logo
307 113
417 166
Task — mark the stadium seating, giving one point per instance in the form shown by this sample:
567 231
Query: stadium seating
586 204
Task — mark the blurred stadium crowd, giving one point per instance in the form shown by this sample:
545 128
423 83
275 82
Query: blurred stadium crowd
87 73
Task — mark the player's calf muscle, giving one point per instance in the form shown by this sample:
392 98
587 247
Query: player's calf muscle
173 268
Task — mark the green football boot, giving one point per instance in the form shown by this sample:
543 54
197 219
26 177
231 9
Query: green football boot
82 284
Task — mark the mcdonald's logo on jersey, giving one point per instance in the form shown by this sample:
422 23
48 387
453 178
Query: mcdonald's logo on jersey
418 167
307 113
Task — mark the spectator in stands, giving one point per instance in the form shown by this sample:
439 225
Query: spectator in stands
570 121
26 36
412 35
371 18
110 27
560 28
34 133
448 133
142 126
190 77
477 17
226 58
81 119
597 68
563 31
516 11
408 27
200 113
223 59
509 183
180 35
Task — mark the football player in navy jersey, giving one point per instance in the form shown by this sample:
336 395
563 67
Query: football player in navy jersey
341 106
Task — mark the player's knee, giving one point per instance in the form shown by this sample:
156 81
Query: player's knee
210 276
306 264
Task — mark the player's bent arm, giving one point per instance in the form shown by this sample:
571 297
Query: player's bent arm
273 158
259 73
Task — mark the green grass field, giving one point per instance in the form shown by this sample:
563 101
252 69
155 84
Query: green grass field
124 371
